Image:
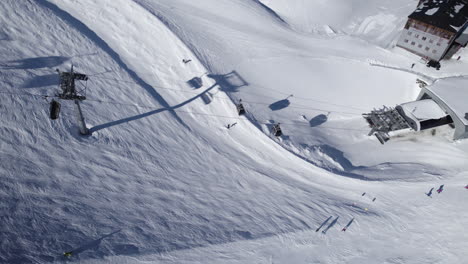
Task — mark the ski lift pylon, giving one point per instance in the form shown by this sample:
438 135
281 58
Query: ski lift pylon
382 137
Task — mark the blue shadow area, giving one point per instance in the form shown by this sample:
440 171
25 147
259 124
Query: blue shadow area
77 24
147 114
35 63
195 82
318 120
42 81
91 245
229 82
337 156
281 104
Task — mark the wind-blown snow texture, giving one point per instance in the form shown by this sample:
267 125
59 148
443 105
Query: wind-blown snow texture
161 179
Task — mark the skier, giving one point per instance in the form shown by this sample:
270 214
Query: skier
458 57
412 65
374 199
67 254
430 192
231 125
466 187
346 227
363 194
441 188
186 61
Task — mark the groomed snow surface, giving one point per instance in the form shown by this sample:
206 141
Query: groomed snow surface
162 180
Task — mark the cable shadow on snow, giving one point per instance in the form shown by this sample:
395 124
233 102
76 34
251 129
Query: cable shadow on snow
92 244
150 113
85 30
34 63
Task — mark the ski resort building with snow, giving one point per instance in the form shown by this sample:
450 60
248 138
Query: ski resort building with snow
439 104
442 103
450 95
436 29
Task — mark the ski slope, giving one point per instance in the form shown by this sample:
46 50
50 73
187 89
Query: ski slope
162 180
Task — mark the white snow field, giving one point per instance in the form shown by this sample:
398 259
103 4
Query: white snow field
162 180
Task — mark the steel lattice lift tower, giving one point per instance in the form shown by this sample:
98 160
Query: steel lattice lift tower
69 92
384 120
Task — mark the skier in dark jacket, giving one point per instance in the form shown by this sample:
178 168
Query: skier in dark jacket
430 192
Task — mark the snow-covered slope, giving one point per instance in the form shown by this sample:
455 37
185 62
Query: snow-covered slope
376 21
162 180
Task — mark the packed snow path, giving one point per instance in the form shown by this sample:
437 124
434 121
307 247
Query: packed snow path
161 179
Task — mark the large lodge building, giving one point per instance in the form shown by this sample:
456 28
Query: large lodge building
435 31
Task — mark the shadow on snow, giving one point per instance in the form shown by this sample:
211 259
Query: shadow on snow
42 81
150 113
35 63
85 30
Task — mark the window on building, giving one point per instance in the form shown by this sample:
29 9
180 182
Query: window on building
416 36
427 48
406 41
423 38
431 41
419 46
438 44
434 51
409 33
412 43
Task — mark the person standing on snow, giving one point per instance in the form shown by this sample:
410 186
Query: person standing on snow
441 188
430 192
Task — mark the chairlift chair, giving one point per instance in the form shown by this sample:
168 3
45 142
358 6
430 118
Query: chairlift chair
54 110
240 109
277 130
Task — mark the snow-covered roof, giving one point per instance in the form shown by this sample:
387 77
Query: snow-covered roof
423 110
462 39
450 15
454 93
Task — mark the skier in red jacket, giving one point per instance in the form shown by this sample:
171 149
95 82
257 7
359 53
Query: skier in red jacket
441 188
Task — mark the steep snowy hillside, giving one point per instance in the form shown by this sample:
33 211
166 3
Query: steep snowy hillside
333 81
376 21
162 180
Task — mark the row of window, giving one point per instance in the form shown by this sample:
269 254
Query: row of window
428 28
420 46
423 38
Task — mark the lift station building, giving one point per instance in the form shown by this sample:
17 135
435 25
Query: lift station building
444 102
